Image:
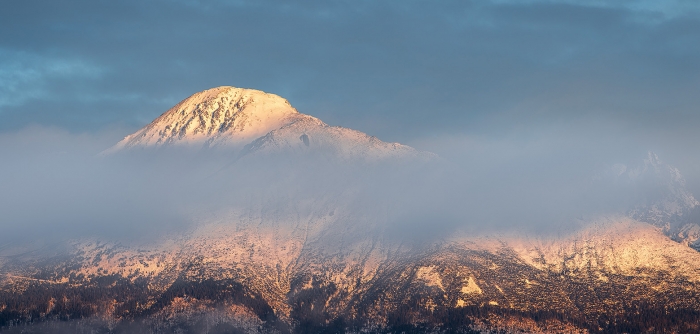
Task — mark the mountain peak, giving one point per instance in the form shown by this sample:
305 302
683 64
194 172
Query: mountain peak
255 122
244 95
224 115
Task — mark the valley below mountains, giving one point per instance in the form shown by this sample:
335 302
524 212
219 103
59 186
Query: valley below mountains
288 225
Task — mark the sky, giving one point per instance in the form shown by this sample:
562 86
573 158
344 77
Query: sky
535 78
399 70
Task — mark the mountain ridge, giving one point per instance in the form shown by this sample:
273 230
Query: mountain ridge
315 240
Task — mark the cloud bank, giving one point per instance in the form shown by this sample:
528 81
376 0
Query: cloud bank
56 186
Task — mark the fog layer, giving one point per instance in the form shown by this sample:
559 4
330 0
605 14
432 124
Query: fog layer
55 185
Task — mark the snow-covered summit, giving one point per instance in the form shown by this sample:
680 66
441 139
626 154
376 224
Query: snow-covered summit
219 116
254 122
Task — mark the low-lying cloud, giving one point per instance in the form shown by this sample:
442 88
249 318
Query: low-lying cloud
55 185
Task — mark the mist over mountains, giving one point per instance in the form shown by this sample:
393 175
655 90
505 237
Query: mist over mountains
232 208
151 178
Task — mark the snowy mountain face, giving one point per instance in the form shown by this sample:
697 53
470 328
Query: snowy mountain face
297 232
249 121
223 116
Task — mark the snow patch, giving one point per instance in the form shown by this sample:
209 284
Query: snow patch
471 287
430 276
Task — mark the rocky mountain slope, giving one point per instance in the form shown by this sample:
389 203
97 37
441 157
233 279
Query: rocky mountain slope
621 275
296 236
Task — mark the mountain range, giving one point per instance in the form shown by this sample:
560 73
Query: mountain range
300 228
